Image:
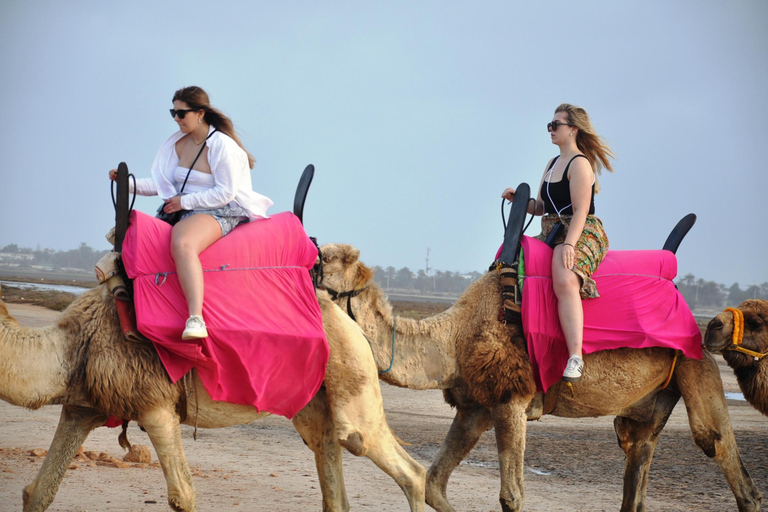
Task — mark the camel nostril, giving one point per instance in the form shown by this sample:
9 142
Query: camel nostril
715 323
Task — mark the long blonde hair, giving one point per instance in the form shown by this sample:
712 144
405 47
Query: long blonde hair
590 143
197 99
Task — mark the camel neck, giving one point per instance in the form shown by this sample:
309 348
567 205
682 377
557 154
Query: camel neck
424 355
31 373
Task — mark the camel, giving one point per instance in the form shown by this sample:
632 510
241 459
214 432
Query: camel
745 353
482 366
86 365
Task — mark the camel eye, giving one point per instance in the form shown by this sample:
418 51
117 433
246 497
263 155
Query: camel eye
754 322
326 259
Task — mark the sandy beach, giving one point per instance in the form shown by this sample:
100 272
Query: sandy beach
570 464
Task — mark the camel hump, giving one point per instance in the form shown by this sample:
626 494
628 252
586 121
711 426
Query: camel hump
301 191
678 233
514 230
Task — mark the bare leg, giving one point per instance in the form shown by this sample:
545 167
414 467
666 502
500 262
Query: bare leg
638 440
467 427
316 428
190 237
75 424
702 390
570 311
162 426
509 423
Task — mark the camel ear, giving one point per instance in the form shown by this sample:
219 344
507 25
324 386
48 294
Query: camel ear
364 274
351 256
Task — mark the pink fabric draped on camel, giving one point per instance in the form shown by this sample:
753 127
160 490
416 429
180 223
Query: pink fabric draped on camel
266 344
638 307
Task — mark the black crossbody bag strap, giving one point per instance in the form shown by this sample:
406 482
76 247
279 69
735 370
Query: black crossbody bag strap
205 143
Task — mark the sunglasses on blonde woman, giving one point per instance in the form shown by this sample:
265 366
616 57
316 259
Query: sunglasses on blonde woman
182 112
554 125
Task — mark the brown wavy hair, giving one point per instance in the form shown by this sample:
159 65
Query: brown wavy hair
197 99
590 143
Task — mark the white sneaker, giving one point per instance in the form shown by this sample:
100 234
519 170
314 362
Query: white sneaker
574 369
194 328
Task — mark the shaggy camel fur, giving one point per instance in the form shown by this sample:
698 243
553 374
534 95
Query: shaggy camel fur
484 371
85 364
751 374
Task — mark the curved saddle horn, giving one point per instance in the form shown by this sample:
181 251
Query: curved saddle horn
514 231
301 191
678 232
121 206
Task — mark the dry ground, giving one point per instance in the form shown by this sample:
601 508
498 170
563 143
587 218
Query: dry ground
572 465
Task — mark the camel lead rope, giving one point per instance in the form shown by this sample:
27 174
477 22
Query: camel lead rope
394 331
671 371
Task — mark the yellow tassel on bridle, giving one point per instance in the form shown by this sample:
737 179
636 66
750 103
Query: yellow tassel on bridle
738 335
738 325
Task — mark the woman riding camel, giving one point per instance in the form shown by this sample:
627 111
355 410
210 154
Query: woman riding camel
217 190
567 195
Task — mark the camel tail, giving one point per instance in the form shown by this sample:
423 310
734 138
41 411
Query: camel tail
122 439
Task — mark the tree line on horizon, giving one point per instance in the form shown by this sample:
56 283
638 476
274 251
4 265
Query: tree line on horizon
698 293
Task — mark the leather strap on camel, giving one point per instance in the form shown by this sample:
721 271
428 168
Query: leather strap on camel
738 335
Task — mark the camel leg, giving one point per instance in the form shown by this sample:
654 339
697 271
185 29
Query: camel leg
702 390
163 428
467 427
361 428
509 423
315 425
75 423
638 440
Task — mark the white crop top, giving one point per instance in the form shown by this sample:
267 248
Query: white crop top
197 182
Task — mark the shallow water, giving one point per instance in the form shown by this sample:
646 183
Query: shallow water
77 290
735 396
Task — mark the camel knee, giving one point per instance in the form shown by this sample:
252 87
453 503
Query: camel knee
707 441
354 444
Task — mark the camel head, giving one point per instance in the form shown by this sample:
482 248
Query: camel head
719 336
4 314
342 269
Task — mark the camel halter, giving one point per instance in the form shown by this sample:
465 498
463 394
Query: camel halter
738 335
335 296
354 293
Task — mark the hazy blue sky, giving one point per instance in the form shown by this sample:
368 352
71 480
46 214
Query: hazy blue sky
416 115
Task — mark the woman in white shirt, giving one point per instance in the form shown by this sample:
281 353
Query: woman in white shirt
218 194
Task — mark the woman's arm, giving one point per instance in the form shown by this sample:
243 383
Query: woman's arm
144 186
536 208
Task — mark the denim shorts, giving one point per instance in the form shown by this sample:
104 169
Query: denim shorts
227 216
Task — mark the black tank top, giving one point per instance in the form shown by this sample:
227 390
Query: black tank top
557 196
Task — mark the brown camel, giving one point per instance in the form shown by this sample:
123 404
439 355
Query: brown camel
86 365
483 369
749 363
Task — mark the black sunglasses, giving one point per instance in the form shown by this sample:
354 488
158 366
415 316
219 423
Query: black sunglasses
182 112
554 125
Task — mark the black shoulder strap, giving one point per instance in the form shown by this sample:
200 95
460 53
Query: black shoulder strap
552 162
565 173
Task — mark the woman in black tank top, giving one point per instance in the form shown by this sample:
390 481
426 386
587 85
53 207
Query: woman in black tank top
567 196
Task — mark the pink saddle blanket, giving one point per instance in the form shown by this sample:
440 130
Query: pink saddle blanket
639 307
266 345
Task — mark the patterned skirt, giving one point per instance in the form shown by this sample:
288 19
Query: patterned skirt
228 216
590 249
